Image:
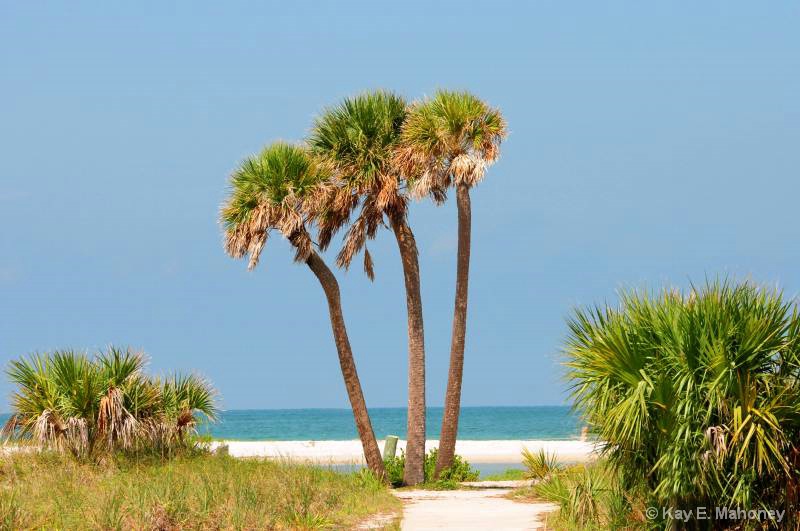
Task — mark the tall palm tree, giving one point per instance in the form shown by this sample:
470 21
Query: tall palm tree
357 139
449 140
274 191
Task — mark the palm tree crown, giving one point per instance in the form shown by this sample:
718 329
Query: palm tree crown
452 136
271 190
357 140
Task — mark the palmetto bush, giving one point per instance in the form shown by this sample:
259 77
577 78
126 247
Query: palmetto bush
67 401
695 395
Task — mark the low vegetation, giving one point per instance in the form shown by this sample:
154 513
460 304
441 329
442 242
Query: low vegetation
90 406
449 478
193 490
539 464
509 474
589 497
696 397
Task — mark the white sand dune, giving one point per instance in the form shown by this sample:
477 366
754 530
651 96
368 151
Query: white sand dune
350 452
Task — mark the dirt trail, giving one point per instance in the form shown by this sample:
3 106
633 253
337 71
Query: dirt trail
469 509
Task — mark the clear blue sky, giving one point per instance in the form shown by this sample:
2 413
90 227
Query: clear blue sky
649 143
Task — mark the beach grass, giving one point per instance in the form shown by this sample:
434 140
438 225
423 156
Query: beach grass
509 474
589 498
199 491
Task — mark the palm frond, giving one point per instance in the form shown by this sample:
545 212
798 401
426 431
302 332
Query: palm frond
268 192
451 137
70 402
357 140
693 388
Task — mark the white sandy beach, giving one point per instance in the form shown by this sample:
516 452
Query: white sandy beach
350 452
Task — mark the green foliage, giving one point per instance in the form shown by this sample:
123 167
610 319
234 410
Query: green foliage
696 397
509 474
589 497
448 479
271 191
278 172
540 464
358 136
357 139
87 407
195 490
448 139
394 469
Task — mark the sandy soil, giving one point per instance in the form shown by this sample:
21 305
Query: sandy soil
345 452
469 509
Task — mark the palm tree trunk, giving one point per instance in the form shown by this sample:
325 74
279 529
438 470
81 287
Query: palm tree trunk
414 472
452 400
348 365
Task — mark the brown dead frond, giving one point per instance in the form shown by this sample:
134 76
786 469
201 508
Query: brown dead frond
254 249
115 423
10 427
48 429
302 243
353 241
369 269
467 168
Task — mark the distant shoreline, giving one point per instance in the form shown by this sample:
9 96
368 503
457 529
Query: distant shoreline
350 451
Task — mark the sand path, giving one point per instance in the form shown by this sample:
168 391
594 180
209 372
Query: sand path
469 509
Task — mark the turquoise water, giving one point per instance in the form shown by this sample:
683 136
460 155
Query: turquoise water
476 423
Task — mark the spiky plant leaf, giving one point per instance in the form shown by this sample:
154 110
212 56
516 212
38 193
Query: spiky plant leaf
451 137
694 395
271 191
357 139
70 402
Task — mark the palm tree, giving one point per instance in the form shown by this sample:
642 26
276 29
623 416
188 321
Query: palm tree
275 191
357 139
449 140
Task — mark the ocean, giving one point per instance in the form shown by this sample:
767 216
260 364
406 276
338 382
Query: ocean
475 423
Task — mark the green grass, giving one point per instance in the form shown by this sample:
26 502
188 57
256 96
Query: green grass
508 474
47 491
589 498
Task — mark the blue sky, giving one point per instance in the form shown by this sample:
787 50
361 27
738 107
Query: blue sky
650 143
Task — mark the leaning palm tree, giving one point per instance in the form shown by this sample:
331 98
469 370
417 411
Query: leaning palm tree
357 139
273 191
449 140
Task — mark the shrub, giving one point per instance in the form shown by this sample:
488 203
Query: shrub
589 498
448 479
395 466
90 406
695 396
540 464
